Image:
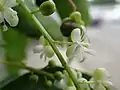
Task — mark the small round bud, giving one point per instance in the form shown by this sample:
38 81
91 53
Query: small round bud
51 63
75 16
34 78
47 8
58 75
67 27
49 83
48 51
43 41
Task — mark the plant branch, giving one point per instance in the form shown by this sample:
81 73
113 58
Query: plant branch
72 4
63 42
88 82
50 40
37 71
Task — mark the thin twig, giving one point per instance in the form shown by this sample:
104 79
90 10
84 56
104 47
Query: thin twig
72 4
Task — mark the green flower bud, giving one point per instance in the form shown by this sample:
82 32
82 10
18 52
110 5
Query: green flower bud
43 41
75 16
51 63
48 51
58 75
47 8
34 78
99 74
49 83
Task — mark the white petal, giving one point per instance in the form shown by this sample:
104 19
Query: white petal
11 16
1 17
99 87
109 85
75 35
10 3
38 49
83 28
70 50
42 55
79 53
89 51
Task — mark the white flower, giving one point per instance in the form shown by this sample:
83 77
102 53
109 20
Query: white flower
7 13
77 51
101 79
44 51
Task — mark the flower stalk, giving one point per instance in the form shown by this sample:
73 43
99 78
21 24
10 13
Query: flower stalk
50 40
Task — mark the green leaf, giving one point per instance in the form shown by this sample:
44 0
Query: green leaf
15 44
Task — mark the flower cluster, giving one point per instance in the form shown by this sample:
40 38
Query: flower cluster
73 27
44 49
101 80
76 51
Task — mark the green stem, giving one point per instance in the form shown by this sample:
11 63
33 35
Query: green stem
72 5
50 40
88 82
63 42
37 71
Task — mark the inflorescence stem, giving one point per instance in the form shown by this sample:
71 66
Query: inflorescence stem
53 45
